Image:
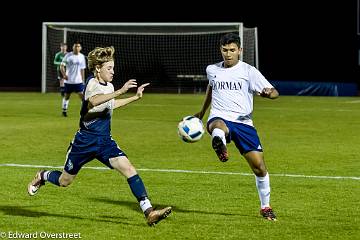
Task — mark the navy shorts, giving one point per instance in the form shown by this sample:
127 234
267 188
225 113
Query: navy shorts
69 88
244 136
86 147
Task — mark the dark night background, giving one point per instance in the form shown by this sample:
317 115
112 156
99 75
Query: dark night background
298 41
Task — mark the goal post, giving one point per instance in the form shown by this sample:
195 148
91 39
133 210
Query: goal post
171 56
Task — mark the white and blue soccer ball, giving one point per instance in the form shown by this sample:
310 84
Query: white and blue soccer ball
190 129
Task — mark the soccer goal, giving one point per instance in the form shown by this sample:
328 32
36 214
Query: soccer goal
171 56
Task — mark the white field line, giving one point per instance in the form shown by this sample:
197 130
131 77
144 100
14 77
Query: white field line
187 171
306 109
354 101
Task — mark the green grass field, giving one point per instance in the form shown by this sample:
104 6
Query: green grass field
311 149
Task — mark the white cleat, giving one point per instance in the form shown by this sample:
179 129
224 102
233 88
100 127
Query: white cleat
35 184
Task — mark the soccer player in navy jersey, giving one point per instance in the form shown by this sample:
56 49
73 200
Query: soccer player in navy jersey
232 84
93 139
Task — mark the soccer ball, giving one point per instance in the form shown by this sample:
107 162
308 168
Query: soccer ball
190 129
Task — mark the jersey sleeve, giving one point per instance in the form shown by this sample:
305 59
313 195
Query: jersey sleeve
92 89
57 59
209 75
257 81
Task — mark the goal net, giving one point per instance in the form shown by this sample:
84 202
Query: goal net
171 56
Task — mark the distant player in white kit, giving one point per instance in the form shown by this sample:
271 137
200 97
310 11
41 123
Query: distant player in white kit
94 140
232 84
73 68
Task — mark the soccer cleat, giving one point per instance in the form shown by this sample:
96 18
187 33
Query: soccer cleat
64 114
220 149
36 183
156 216
268 214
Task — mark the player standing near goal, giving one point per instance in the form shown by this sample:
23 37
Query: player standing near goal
232 84
73 70
59 56
93 139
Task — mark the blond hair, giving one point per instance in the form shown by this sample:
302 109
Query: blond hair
100 55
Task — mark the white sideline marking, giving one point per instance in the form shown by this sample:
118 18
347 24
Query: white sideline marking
307 109
187 171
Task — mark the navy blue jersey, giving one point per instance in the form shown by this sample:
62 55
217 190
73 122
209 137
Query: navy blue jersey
96 120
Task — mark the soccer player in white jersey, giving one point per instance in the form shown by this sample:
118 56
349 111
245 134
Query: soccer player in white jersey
73 68
93 139
232 84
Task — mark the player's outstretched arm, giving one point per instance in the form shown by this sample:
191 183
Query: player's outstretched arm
101 98
125 101
139 92
129 84
271 93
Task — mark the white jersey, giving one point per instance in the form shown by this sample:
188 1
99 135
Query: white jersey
74 63
94 87
233 89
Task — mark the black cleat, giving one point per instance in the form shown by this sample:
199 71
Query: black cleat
220 149
64 114
268 214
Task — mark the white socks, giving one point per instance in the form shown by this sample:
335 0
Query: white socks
263 187
220 133
46 175
262 183
145 204
65 104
